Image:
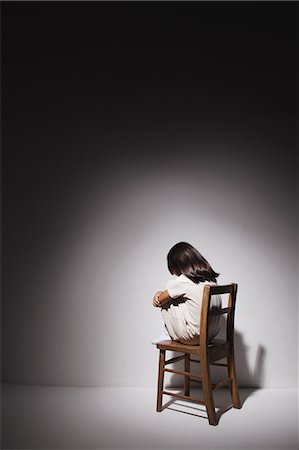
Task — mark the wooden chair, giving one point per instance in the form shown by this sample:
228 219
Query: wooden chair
207 353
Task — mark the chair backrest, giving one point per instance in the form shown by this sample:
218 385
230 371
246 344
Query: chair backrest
207 311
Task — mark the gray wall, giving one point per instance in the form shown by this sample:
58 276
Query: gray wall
109 162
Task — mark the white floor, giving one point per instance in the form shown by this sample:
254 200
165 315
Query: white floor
38 417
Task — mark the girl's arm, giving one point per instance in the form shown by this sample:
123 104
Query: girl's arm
160 298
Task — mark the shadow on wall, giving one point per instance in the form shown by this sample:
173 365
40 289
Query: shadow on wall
247 376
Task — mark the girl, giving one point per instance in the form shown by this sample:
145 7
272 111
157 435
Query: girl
181 300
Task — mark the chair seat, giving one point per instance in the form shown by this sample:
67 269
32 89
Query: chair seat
217 349
178 347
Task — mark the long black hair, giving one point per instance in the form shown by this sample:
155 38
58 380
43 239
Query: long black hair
183 258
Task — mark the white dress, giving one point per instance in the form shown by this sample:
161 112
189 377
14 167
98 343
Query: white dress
181 314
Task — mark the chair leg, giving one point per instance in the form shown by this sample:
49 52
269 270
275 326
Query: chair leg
160 380
187 369
234 384
207 390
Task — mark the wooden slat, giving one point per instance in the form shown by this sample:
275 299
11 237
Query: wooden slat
218 364
174 360
225 289
217 312
221 384
185 397
196 381
211 363
181 372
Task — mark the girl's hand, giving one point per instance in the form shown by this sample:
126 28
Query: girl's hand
156 301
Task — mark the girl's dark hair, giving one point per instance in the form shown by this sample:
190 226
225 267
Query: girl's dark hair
184 259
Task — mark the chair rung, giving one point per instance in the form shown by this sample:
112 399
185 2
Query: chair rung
211 363
220 385
174 360
180 372
218 364
185 397
217 312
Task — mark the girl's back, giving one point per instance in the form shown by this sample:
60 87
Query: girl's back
182 313
181 299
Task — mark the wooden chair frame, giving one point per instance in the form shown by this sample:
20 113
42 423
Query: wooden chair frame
208 354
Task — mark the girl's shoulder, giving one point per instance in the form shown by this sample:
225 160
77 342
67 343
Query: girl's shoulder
212 283
184 279
176 280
